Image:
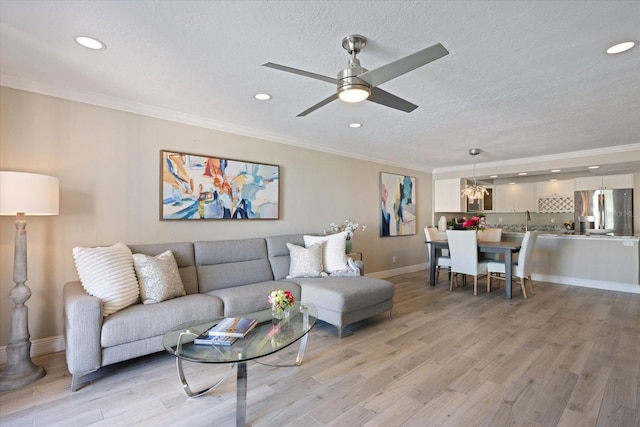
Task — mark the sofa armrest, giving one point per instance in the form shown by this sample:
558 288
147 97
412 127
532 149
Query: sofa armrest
82 329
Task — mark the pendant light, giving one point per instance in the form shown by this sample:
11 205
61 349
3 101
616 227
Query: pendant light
474 191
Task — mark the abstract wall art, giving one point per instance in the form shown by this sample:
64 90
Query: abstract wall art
397 205
194 186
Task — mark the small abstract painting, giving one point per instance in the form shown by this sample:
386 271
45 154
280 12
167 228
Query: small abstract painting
200 187
397 205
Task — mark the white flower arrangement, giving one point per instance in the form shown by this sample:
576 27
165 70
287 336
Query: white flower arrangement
348 226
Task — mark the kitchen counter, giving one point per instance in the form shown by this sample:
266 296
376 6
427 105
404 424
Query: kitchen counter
595 261
566 234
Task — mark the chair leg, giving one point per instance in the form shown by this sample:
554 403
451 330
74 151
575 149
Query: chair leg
524 291
451 282
531 285
475 285
437 272
488 282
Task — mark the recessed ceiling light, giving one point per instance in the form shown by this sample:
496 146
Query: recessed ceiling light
90 43
262 96
355 125
555 170
512 183
553 180
620 47
522 173
493 176
594 167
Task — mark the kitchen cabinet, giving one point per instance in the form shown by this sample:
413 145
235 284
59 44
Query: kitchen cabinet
559 188
447 195
606 181
515 197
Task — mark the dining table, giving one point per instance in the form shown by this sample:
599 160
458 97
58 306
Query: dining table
505 248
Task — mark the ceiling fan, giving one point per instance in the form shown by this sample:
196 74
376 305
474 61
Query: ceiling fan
356 83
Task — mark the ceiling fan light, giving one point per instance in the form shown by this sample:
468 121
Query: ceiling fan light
353 94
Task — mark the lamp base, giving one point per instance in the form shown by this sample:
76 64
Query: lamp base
20 369
24 376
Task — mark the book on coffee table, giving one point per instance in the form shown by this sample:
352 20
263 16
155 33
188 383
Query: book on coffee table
206 339
233 327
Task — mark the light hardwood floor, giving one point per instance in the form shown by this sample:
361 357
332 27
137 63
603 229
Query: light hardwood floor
567 356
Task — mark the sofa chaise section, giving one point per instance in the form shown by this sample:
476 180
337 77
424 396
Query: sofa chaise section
340 300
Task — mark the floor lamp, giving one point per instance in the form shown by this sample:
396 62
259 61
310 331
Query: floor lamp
23 194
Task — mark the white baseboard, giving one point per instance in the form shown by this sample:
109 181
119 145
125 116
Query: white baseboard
587 283
396 271
39 347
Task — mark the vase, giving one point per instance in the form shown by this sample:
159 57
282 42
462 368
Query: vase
280 314
348 246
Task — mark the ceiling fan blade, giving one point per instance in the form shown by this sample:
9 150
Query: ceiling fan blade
404 65
382 97
318 105
301 72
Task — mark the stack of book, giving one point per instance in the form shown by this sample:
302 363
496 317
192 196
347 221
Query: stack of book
226 331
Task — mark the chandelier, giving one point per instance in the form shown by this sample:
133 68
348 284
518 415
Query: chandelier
474 191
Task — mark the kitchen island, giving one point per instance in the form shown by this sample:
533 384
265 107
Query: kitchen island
594 261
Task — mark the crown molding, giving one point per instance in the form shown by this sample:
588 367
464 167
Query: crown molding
541 159
207 123
178 117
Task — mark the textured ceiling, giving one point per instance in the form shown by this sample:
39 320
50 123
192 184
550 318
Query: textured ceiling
523 79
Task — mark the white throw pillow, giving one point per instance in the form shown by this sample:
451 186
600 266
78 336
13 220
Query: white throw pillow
334 257
158 276
305 262
107 273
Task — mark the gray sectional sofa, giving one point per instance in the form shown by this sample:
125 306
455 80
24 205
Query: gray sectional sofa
221 278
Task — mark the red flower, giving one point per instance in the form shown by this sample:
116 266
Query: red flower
472 223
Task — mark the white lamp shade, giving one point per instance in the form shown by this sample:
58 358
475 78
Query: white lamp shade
28 193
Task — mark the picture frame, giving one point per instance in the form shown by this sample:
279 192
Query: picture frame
201 187
397 205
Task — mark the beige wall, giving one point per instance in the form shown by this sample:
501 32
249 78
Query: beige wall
108 165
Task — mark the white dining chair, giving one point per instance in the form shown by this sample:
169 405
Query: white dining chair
490 235
520 269
463 250
431 233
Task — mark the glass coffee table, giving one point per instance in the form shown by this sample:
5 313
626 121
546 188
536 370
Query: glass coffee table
268 337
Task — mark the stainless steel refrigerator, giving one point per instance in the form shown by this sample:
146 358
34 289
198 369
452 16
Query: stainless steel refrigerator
604 211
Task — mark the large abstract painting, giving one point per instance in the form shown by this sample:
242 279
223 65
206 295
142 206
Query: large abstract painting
397 205
200 187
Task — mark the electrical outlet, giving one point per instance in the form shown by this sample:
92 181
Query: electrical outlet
500 219
393 259
553 220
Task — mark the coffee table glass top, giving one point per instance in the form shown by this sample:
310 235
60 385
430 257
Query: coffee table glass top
269 336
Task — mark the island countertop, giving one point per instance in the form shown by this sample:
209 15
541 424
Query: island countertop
568 235
595 261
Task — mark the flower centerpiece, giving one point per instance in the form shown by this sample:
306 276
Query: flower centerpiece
473 223
350 227
281 302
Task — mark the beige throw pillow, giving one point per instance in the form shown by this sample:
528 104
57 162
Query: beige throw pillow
159 277
334 257
305 262
107 273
